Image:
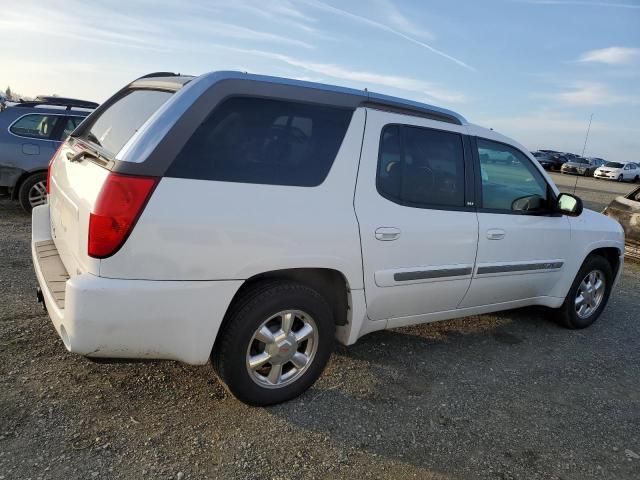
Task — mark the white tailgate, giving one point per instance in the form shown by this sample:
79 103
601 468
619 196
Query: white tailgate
73 192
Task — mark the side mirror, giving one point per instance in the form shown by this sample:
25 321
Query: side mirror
530 203
568 204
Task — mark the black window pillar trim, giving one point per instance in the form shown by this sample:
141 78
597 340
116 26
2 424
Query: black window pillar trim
477 173
471 197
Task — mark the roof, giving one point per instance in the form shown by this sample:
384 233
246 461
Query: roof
338 95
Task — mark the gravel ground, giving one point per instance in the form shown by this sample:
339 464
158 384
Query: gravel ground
497 396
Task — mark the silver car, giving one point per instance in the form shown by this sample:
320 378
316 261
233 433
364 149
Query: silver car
30 133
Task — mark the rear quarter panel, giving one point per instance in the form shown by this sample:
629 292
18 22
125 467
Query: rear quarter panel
210 230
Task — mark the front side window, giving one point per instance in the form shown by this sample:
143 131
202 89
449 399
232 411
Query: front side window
35 126
264 141
509 185
421 167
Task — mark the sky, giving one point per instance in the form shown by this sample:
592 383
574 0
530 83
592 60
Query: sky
534 70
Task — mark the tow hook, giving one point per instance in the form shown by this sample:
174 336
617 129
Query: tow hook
40 298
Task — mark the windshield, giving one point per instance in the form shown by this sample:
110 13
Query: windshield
118 123
613 165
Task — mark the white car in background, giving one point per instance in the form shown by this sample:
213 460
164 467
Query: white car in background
619 171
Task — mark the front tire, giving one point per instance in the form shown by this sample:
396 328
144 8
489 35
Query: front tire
620 178
33 191
588 294
275 344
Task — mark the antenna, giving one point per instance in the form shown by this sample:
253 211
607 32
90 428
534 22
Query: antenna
587 136
584 148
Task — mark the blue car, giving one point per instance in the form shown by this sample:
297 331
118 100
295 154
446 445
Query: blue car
30 133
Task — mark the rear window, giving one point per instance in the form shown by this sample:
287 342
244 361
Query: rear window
266 141
117 124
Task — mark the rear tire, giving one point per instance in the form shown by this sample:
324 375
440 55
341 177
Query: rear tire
33 191
568 313
636 179
282 374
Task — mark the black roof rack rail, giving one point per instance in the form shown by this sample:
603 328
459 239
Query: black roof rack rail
57 101
159 74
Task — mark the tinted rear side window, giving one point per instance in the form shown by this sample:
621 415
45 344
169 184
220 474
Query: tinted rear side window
117 124
421 167
255 140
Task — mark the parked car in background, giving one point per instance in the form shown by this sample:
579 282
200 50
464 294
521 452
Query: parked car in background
582 166
620 171
301 197
30 133
550 160
626 210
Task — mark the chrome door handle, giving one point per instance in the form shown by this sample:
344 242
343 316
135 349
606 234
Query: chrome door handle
495 234
387 234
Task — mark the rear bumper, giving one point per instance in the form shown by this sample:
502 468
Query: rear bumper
113 318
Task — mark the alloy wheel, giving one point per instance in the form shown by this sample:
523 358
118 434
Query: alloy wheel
38 194
282 348
590 294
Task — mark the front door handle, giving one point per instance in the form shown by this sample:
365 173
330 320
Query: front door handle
495 234
387 234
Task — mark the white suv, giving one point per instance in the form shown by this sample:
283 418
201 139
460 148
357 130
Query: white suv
254 220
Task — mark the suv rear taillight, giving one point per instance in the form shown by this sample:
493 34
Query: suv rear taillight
118 207
49 168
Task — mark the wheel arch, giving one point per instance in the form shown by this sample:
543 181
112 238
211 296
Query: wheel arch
611 254
21 180
330 283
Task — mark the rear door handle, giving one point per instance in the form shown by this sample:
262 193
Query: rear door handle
495 234
387 234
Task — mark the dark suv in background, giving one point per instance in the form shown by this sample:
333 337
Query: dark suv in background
30 133
550 160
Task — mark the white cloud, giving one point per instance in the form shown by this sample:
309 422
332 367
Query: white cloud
282 12
380 26
228 30
612 55
401 21
589 94
363 78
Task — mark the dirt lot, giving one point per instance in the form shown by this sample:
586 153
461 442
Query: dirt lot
497 396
